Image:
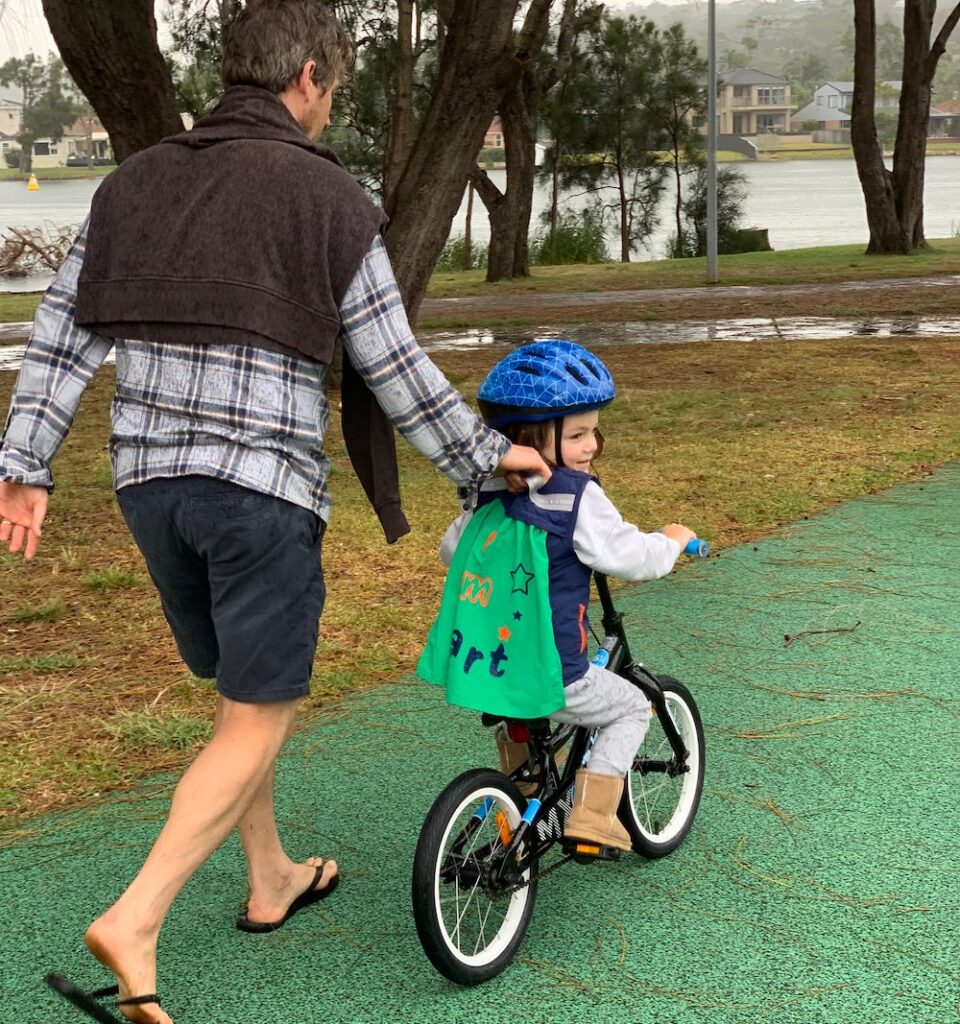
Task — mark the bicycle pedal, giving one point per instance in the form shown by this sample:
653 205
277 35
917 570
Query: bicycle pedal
586 853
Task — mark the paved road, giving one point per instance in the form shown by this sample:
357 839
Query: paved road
821 882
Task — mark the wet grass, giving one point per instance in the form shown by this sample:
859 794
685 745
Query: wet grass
54 173
731 439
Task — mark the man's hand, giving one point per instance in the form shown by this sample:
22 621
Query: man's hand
22 509
521 462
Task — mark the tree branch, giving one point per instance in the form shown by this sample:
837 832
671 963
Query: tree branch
940 43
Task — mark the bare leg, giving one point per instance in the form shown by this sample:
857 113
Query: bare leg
213 795
275 880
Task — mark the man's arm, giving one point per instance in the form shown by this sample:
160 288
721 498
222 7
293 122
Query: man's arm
59 362
416 396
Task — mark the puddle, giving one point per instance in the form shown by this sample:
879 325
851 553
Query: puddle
691 331
640 332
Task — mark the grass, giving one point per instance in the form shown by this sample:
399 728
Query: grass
731 439
111 578
39 663
816 265
55 173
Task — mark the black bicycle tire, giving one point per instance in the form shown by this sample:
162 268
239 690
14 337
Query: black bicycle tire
424 891
642 843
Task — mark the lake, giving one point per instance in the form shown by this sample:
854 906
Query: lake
801 202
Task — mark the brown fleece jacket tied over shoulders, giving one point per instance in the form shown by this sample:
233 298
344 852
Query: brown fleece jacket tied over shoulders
241 231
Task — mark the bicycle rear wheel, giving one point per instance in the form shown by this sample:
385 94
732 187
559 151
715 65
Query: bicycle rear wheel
658 809
469 924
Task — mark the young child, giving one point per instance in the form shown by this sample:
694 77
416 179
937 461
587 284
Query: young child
511 634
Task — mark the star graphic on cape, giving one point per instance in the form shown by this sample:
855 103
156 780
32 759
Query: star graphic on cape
503 634
521 579
518 616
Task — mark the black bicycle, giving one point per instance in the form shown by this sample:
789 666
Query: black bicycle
477 864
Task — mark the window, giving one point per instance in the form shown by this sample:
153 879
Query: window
41 149
832 100
770 96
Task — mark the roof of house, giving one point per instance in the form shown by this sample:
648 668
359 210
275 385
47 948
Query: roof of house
848 86
749 76
84 126
7 99
948 106
818 112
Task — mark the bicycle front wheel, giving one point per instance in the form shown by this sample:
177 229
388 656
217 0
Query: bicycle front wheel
658 808
471 909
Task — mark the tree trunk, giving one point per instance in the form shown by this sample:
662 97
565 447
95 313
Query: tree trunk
400 140
26 154
468 230
624 217
678 207
876 181
110 49
894 200
476 64
509 211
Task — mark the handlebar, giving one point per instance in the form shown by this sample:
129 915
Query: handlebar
697 548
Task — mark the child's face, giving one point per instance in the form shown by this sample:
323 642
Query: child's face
578 443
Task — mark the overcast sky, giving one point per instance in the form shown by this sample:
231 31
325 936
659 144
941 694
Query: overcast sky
24 29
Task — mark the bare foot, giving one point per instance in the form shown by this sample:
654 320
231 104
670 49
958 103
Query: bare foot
132 958
264 907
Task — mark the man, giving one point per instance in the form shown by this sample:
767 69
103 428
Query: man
225 262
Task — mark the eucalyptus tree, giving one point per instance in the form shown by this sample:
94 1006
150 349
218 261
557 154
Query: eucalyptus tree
110 47
894 198
519 110
48 103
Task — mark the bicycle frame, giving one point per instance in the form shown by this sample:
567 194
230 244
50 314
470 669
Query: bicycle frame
541 824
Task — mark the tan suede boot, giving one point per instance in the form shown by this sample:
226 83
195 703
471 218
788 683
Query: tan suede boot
513 756
593 820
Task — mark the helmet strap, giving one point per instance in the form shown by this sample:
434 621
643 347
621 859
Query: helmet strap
558 439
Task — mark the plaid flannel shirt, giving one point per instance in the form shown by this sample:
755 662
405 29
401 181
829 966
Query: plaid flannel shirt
238 413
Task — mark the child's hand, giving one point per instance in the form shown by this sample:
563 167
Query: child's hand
678 533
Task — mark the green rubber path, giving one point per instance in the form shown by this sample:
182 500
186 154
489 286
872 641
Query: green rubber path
821 881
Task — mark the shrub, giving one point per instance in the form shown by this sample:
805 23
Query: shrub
454 255
578 238
12 157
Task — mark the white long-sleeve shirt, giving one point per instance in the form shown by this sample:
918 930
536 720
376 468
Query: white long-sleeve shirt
602 539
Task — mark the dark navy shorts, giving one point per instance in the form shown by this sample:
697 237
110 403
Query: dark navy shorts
240 580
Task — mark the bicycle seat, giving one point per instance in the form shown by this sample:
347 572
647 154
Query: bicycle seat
535 725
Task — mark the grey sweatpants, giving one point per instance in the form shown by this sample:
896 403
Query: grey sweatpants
603 700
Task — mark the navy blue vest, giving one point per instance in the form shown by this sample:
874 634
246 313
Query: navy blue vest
554 508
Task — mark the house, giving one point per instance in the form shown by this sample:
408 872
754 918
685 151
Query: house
831 103
945 118
494 137
87 139
10 110
750 102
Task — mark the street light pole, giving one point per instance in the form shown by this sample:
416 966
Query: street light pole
711 142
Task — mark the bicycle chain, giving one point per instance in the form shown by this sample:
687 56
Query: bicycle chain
536 878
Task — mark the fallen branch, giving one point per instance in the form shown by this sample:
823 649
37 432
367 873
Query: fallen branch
788 639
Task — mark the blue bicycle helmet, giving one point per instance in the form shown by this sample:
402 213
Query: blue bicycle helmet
545 380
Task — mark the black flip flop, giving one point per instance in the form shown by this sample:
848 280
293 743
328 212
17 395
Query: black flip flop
91 1003
305 899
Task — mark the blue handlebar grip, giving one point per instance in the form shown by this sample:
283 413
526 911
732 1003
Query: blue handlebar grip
697 548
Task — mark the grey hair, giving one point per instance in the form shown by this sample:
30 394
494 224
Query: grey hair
271 40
